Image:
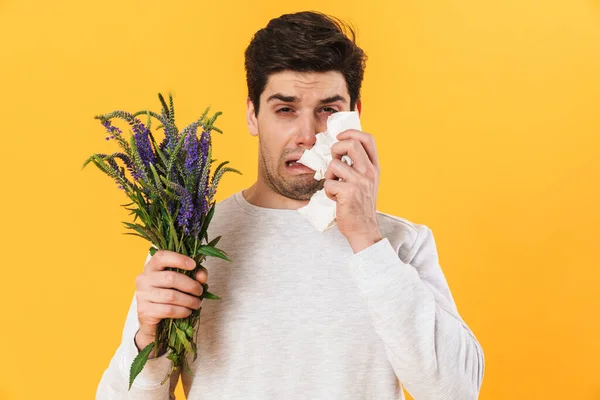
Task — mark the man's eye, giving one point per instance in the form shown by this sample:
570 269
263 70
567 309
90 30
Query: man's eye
284 108
330 108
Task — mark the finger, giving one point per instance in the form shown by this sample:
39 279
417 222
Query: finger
162 311
339 169
163 259
170 296
202 275
366 139
175 280
354 149
333 188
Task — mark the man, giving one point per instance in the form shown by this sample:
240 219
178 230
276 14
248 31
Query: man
355 312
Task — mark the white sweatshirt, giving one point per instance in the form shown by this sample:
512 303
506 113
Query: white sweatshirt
303 317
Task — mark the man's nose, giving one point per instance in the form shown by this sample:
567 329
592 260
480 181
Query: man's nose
307 132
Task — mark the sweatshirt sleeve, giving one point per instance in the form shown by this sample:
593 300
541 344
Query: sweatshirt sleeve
114 383
431 349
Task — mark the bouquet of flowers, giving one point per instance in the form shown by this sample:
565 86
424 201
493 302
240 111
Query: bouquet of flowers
172 195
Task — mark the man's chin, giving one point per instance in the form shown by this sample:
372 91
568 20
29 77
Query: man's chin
305 193
302 190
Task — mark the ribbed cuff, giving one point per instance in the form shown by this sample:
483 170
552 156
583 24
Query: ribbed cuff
154 372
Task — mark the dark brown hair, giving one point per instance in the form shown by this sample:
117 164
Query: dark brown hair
307 41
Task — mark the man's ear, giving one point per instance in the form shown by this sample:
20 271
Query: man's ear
358 107
251 118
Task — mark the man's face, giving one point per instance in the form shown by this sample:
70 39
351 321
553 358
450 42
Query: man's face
293 108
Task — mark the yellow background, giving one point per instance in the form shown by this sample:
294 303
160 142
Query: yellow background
487 120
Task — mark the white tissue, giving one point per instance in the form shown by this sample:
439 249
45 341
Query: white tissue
320 211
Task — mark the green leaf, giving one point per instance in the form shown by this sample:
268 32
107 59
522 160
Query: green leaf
159 185
172 338
135 234
214 242
195 348
138 229
213 119
187 368
173 356
173 233
206 221
153 250
138 363
213 252
173 158
183 339
151 237
212 296
171 109
201 119
220 166
164 104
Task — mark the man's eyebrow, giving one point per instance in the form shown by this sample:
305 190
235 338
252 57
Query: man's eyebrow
279 96
333 99
294 99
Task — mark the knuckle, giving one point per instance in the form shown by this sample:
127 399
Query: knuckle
169 278
142 312
159 255
171 311
170 296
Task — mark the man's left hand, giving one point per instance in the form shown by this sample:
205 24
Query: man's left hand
356 193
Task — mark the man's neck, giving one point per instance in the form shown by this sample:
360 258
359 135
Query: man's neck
261 195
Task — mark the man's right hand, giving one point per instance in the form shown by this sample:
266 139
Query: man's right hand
164 294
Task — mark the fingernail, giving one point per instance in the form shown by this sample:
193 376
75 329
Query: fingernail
190 263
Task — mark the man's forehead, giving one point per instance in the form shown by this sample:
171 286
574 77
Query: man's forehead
298 87
305 78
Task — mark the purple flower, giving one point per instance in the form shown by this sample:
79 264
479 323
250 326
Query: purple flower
196 220
190 144
115 167
171 207
126 160
204 144
204 202
113 130
186 208
171 139
141 138
142 142
203 189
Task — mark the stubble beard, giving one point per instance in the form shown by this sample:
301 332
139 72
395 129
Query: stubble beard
296 187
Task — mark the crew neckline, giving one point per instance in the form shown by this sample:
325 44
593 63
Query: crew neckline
250 208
